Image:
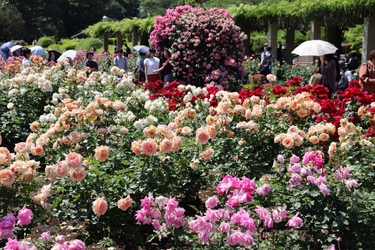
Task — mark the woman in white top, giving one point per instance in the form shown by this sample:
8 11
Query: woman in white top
151 63
26 58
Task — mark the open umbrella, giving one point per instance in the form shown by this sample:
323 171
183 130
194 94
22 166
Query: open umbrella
38 50
53 55
70 53
15 47
141 48
314 48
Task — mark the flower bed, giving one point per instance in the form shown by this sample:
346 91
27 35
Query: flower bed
271 166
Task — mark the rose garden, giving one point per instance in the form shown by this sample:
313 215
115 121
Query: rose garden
105 161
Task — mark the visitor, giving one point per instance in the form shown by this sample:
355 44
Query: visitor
151 63
70 64
53 56
90 64
316 78
120 61
26 62
166 67
128 51
266 62
345 78
328 71
140 66
267 54
366 74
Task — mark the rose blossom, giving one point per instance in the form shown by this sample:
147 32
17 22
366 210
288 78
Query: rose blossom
149 147
11 244
202 135
76 245
74 160
288 142
37 150
280 158
61 168
77 174
60 239
323 137
101 153
45 236
5 157
124 204
99 206
212 202
7 177
314 139
24 216
207 154
263 190
166 145
295 221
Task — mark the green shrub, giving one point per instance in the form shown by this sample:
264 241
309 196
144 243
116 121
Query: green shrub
88 43
46 41
67 44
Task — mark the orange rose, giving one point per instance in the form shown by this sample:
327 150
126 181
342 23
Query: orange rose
302 113
124 204
136 147
101 153
99 206
288 142
7 177
34 126
323 137
5 157
74 160
37 150
314 139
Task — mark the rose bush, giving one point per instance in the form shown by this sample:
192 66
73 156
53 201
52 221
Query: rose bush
206 45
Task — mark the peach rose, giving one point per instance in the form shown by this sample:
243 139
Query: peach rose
74 160
124 204
149 147
34 126
101 153
316 107
50 171
314 139
77 174
149 132
186 131
176 144
202 135
323 137
37 150
361 111
241 142
1 139
207 154
61 168
257 111
5 157
7 177
248 114
212 131
21 147
288 142
99 206
302 113
166 145
136 147
210 120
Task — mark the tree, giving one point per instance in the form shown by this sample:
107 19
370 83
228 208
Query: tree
120 9
156 7
11 23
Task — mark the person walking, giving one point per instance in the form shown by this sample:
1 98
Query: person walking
141 67
366 74
151 63
120 60
328 71
166 68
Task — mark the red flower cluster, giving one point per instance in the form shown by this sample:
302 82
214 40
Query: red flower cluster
295 81
278 90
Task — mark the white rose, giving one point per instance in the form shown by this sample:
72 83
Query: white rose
10 105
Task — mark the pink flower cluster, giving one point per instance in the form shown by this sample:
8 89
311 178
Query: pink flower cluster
14 244
8 222
240 191
162 212
311 170
206 44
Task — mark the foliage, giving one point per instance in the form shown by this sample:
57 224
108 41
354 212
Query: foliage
206 46
46 41
354 37
11 23
88 43
67 44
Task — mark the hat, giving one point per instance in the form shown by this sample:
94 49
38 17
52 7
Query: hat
89 53
265 44
152 50
119 51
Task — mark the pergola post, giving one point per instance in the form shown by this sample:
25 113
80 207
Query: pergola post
135 35
316 30
289 45
368 42
105 42
119 41
272 37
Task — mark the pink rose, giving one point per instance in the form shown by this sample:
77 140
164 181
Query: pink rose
76 245
61 168
295 221
149 147
166 145
99 206
202 136
101 153
24 216
74 160
11 244
212 202
77 174
60 239
7 177
45 236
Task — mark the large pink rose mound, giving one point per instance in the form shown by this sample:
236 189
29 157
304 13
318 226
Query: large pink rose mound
206 45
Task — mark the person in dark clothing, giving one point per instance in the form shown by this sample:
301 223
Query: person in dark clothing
328 71
90 64
166 68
